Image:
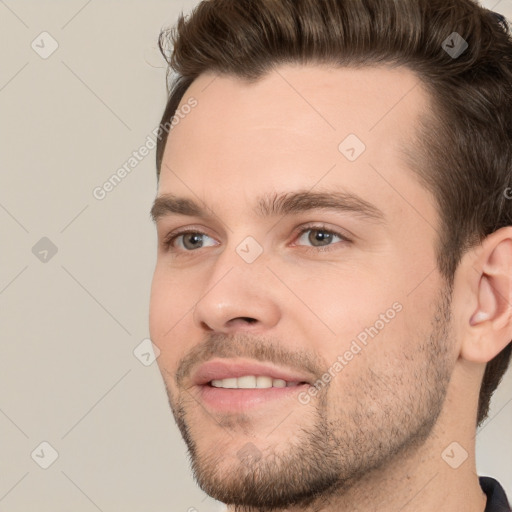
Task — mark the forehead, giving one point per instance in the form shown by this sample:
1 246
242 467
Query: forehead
295 128
316 102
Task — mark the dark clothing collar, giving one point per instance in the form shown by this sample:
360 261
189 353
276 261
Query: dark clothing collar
496 497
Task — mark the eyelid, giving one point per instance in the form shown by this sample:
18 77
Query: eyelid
297 233
322 226
170 237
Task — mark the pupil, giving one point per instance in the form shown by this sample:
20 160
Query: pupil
320 236
193 241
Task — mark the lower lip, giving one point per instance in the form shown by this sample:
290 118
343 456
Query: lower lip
233 400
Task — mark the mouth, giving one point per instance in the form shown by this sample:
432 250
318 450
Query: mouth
238 386
252 382
243 399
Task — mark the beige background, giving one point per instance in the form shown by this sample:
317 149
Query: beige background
69 325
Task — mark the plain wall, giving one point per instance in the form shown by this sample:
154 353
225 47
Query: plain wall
69 325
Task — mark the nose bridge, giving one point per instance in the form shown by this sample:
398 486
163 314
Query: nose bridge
243 257
238 287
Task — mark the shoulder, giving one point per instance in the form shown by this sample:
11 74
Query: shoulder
496 498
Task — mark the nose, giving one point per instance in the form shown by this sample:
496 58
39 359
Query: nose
238 297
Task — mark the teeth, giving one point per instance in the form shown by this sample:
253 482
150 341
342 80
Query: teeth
252 382
246 382
263 382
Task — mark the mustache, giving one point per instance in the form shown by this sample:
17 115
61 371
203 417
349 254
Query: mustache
243 345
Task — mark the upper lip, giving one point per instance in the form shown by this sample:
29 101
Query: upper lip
224 369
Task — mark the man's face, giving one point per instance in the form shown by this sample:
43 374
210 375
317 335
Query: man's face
339 296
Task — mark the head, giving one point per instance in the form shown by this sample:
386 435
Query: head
406 267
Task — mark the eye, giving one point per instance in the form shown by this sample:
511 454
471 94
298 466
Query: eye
312 237
319 236
188 241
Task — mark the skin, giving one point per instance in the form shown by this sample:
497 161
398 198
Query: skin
374 438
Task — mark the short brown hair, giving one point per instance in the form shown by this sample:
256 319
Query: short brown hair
463 150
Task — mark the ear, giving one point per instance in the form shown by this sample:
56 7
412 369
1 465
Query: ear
487 321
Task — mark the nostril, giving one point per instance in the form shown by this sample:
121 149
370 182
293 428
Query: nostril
248 319
241 322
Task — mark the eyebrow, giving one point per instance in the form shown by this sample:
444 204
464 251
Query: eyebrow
277 204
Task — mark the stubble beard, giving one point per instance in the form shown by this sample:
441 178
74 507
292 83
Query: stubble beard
337 448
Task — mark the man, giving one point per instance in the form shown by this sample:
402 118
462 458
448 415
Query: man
333 288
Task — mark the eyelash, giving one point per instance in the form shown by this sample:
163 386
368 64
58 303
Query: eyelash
168 241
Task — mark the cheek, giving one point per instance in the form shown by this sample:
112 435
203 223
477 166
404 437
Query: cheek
173 293
373 363
358 319
170 314
340 300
